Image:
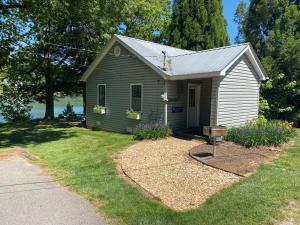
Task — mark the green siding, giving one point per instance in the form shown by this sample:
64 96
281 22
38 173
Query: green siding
118 73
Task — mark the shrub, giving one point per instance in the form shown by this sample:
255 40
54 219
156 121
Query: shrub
260 133
68 112
15 107
154 130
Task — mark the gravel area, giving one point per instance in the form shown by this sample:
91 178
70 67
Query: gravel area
165 170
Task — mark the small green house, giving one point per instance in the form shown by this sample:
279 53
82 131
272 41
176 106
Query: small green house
133 81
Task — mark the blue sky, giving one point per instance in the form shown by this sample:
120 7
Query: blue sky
229 7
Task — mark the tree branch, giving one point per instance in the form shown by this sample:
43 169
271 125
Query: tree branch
20 5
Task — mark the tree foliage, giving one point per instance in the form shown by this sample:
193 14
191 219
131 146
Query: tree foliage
48 44
14 104
198 24
273 28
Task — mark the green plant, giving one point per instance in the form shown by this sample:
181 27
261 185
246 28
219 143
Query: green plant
14 106
154 130
68 112
130 113
99 109
261 133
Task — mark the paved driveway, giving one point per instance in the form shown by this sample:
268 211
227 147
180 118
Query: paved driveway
27 197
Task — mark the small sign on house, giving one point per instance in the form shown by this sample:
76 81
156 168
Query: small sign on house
176 109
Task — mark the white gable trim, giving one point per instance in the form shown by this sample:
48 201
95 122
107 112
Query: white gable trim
258 68
107 48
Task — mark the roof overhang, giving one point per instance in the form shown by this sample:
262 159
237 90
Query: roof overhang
253 59
193 76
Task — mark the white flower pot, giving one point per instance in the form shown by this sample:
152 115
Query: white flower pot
102 111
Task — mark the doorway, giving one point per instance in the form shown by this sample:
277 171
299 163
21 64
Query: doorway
193 105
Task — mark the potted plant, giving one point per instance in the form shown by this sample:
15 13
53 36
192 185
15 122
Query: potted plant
99 109
131 114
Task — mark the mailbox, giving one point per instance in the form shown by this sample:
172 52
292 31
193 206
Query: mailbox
216 131
213 133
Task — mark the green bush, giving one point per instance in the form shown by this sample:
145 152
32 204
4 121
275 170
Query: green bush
68 112
154 130
261 133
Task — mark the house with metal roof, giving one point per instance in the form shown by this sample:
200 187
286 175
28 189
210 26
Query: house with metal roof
183 88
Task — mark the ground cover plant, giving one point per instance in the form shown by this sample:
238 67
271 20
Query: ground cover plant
83 160
153 130
261 133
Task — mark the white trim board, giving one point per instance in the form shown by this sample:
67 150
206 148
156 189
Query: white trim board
142 94
198 90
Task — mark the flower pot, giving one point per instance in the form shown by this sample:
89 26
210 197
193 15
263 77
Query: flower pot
102 111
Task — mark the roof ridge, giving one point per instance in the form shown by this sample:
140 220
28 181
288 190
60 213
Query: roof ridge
213 49
151 42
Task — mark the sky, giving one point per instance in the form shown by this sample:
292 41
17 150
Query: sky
229 7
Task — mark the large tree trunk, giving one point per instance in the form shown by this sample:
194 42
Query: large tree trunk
49 113
49 88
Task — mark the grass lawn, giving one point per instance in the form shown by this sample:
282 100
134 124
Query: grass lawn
82 159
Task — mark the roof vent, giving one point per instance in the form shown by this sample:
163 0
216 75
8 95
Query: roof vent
117 51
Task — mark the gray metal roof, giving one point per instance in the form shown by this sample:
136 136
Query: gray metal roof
180 62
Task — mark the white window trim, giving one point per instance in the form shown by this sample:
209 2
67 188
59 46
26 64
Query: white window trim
142 94
98 94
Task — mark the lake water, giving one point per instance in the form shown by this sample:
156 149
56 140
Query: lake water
38 109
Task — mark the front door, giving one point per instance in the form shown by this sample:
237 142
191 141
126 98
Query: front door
193 105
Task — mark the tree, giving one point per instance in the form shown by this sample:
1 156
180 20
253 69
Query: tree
14 104
59 39
273 28
145 19
198 24
239 17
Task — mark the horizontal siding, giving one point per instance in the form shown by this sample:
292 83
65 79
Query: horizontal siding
118 73
238 94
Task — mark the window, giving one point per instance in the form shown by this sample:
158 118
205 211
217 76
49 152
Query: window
102 94
136 97
192 97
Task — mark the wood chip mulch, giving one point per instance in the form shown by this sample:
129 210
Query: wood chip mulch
235 158
165 170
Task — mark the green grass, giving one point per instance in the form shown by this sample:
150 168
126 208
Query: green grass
83 160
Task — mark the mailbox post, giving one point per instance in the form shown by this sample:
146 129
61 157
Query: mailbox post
214 132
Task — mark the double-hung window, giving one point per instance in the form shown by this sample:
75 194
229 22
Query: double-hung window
136 97
102 94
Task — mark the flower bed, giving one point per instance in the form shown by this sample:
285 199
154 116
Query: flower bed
261 133
153 130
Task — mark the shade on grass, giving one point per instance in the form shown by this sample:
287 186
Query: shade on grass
83 159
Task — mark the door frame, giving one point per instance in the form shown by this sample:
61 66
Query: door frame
198 90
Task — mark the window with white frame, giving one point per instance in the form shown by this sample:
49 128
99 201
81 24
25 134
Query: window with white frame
102 94
136 95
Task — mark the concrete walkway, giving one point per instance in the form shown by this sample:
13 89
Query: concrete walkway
27 197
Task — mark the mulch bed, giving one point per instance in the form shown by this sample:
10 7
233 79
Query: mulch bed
234 158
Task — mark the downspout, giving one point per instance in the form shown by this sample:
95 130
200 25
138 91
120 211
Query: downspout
166 101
